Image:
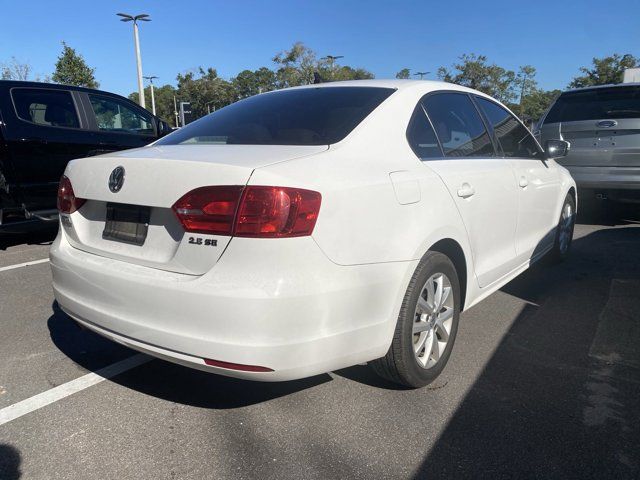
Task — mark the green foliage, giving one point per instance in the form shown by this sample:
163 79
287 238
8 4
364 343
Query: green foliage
403 74
164 101
248 82
206 91
71 69
605 70
473 71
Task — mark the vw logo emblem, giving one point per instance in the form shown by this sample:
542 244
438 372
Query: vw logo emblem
116 179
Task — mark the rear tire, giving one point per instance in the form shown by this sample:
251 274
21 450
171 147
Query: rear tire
427 325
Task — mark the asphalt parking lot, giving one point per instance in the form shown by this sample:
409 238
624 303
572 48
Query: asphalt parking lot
543 383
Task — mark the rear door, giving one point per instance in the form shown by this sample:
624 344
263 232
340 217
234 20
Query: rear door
537 179
117 123
43 131
481 184
602 125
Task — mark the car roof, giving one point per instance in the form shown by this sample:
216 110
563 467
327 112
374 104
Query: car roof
56 86
422 85
608 85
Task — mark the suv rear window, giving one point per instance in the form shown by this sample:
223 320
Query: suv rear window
306 116
596 104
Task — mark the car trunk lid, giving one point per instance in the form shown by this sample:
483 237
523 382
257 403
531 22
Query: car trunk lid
136 223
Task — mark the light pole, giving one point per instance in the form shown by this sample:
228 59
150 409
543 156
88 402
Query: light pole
332 59
422 74
131 18
153 100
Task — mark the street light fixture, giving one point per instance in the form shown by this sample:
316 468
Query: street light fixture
135 19
332 59
422 74
153 100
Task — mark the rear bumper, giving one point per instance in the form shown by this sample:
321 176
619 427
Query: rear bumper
611 178
279 304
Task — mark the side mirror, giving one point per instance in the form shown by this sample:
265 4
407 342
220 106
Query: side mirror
556 148
163 128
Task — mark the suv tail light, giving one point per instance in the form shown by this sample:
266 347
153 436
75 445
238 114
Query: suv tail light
67 200
255 211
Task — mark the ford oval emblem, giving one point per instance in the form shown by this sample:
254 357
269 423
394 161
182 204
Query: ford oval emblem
607 123
116 179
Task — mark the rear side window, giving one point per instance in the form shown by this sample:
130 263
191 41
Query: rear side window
421 137
305 116
596 104
53 108
113 115
514 138
458 125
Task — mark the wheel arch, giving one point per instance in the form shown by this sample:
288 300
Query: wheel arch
453 250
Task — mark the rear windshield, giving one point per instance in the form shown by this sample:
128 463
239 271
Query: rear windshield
306 116
596 104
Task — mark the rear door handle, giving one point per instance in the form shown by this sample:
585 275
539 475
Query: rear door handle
466 191
523 182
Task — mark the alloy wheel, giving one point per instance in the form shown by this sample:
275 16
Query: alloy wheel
433 320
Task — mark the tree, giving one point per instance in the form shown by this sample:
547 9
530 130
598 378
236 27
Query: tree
473 71
404 74
71 69
14 70
164 101
206 92
248 82
605 70
295 66
526 81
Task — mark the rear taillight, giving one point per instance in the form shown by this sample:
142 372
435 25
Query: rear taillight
255 211
67 200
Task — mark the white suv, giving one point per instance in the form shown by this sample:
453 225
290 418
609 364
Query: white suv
310 229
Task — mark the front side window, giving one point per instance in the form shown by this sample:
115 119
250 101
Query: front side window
116 116
514 138
53 108
458 125
421 137
305 116
596 104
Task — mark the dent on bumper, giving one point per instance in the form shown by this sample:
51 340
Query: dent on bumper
281 305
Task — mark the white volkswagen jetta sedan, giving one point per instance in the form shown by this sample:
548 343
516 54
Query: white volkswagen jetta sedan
309 229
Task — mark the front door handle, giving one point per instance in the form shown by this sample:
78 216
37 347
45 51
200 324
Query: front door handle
523 182
466 191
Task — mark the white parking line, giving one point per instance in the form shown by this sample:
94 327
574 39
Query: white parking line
61 391
25 264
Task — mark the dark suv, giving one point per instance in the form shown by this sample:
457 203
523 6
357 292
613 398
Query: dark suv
43 126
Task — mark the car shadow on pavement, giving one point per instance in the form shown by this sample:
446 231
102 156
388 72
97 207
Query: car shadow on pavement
162 379
9 462
558 398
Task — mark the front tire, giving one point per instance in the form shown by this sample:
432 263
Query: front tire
564 231
427 325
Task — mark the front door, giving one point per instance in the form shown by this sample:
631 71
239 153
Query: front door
537 179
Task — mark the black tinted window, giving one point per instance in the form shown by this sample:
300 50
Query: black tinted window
114 115
596 104
458 125
306 116
514 138
53 108
421 136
